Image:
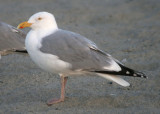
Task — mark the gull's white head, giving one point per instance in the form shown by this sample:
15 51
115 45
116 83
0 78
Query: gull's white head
40 20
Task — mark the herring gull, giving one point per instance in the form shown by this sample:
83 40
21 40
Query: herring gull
67 53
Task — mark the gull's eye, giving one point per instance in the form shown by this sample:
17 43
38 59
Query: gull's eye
39 18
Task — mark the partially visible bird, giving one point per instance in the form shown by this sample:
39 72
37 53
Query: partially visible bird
67 53
11 39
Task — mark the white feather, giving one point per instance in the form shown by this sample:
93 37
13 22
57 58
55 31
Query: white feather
113 67
116 79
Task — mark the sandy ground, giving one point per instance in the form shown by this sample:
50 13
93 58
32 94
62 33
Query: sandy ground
127 29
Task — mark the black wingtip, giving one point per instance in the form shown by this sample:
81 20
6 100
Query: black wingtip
21 51
130 72
140 74
125 71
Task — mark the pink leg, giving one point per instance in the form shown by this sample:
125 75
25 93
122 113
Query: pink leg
61 99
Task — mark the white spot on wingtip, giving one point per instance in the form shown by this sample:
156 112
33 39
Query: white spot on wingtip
127 72
134 74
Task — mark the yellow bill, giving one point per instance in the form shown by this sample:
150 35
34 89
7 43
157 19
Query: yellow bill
24 25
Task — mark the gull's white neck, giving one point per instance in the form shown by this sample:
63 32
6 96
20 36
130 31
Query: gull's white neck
41 33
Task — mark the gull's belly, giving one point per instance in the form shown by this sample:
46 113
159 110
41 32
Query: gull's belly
49 62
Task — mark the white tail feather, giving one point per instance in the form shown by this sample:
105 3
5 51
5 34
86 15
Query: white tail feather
116 79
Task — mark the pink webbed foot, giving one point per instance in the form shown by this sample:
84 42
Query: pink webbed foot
54 101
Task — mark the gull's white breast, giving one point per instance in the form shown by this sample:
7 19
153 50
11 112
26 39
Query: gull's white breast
48 62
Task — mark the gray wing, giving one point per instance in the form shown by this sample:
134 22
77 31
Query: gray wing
79 51
11 39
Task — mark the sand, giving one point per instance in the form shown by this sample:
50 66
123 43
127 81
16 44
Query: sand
127 29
